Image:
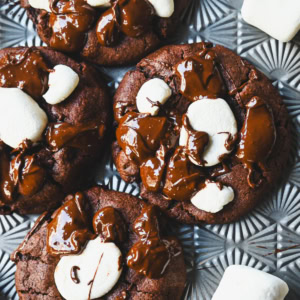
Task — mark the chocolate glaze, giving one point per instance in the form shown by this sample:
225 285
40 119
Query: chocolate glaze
196 142
70 20
182 178
109 224
68 232
74 275
147 223
139 135
61 134
108 28
22 174
151 255
135 16
152 169
258 136
199 76
25 69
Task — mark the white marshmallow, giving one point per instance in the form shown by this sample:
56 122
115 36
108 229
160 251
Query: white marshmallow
62 82
106 277
20 117
99 3
163 8
157 91
211 198
280 19
242 282
214 117
40 4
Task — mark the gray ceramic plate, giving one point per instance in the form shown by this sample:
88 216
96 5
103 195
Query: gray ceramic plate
267 239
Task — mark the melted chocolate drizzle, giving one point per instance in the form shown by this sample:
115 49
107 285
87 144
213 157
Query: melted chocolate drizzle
182 178
196 142
151 255
68 232
74 275
258 136
62 134
25 69
199 76
69 21
22 174
109 224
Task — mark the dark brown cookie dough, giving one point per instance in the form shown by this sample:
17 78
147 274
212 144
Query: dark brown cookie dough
126 50
242 82
35 267
71 164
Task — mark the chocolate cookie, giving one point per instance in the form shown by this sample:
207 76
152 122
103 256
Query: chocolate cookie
133 257
106 32
204 131
54 116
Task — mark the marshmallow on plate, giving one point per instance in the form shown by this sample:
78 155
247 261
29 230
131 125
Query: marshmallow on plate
99 3
212 198
62 82
163 8
40 4
280 19
20 117
246 283
214 117
156 90
98 262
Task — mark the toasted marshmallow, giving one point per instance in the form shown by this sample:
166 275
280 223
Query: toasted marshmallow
214 117
212 198
163 8
40 4
246 283
99 262
156 90
99 3
280 19
20 117
62 82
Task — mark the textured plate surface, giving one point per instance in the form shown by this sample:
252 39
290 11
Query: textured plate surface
268 238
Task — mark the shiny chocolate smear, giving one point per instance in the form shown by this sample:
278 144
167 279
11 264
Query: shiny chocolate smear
152 170
109 224
22 174
199 77
151 255
136 16
107 27
74 275
63 134
68 231
147 223
258 136
182 178
149 258
139 135
70 20
7 184
25 69
196 142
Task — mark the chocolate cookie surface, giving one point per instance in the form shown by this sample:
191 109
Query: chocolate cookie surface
112 33
36 175
180 168
37 269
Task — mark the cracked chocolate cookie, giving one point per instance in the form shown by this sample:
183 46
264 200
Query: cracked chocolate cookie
54 114
203 130
115 32
100 244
